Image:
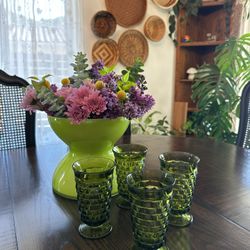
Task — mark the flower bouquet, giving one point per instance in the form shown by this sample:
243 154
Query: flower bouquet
93 93
90 111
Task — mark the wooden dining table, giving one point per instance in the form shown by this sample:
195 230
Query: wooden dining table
32 217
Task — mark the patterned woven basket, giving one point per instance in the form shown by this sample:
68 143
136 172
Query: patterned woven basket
107 51
127 12
132 44
154 28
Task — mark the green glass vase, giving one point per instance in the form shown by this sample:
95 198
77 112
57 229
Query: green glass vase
91 138
183 167
129 158
150 204
93 177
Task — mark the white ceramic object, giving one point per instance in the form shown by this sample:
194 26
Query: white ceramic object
191 73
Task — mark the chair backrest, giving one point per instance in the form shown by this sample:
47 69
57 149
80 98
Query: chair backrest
17 126
243 137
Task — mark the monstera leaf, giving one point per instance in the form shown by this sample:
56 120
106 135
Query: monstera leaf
217 88
214 86
233 56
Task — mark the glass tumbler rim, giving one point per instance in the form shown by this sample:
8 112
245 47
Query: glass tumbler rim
184 156
110 165
129 147
164 187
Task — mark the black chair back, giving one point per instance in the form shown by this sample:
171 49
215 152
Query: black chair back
17 126
243 137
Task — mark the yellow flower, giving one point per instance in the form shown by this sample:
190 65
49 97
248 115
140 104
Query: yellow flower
121 95
46 83
65 81
99 85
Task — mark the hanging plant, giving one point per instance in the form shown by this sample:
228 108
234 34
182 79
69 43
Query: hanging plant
191 9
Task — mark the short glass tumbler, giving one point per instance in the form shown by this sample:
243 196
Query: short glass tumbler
183 167
93 178
129 158
150 204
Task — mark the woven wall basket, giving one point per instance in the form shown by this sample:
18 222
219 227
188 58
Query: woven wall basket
154 28
165 4
107 51
132 44
103 24
127 12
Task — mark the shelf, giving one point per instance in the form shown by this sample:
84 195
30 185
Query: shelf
211 18
201 43
192 109
186 81
213 3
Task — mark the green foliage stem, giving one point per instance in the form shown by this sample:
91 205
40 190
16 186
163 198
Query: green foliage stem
80 69
148 125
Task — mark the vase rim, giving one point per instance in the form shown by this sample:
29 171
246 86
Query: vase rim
95 119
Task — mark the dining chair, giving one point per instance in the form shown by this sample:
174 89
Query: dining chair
243 137
17 126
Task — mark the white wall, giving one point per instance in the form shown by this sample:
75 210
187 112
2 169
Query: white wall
160 64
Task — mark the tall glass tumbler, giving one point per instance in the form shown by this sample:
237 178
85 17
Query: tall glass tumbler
129 158
93 178
183 167
150 204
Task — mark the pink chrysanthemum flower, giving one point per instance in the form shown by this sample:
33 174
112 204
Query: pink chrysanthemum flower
29 99
64 92
78 95
77 113
89 83
96 103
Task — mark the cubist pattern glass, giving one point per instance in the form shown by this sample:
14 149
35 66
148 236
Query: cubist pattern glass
93 178
183 167
129 158
150 204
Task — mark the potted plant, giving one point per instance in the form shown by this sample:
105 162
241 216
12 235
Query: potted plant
89 111
217 88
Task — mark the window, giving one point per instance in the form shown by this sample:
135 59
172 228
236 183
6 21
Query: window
39 37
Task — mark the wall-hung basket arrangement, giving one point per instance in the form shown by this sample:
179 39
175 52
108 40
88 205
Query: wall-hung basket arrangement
132 43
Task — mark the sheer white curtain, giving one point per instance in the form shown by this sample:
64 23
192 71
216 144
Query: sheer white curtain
40 37
245 18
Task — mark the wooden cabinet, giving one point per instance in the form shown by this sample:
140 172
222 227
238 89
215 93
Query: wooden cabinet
210 19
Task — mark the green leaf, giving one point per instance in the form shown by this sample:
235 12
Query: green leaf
45 76
125 77
33 77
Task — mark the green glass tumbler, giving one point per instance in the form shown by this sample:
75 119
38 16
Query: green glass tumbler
93 178
150 204
183 167
129 158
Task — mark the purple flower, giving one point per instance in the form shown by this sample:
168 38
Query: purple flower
138 104
110 79
114 108
96 67
53 87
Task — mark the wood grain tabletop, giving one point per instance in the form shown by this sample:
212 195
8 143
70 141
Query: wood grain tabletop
32 217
